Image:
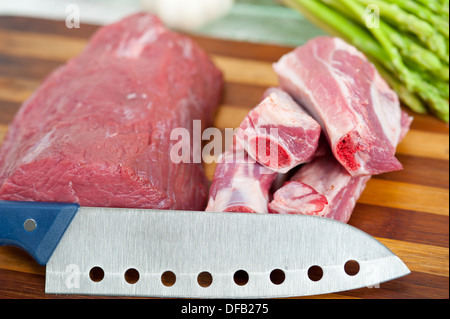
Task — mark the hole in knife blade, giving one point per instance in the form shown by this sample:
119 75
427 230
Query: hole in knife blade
240 277
96 274
168 278
132 276
315 273
277 276
351 267
204 279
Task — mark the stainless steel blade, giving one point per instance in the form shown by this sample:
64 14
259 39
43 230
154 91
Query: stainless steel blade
189 243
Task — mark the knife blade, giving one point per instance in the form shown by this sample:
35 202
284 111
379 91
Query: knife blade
93 251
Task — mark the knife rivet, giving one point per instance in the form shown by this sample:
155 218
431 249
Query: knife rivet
30 225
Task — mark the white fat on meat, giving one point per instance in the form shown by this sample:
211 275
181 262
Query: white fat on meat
359 114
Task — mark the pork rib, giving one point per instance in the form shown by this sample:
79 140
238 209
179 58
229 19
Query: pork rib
278 133
323 187
332 191
359 114
97 130
240 184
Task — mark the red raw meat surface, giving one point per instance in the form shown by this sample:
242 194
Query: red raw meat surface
97 130
359 114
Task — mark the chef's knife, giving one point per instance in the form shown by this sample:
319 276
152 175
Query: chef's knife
91 251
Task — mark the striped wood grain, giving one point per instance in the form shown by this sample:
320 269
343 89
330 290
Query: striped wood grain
407 210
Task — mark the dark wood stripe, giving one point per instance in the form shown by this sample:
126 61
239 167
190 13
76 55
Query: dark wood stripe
416 285
7 111
20 285
26 67
243 95
427 123
399 224
44 26
419 170
242 50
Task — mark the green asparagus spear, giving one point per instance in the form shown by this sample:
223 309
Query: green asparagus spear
351 32
413 81
411 51
441 85
426 60
410 23
424 13
438 7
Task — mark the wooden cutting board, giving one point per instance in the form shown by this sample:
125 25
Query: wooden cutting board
408 211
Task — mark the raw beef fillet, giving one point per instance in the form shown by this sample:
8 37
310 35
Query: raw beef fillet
342 90
240 184
278 133
97 130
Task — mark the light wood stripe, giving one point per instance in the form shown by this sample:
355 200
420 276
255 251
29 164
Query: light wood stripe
419 257
246 71
43 46
3 131
12 258
229 116
425 144
15 89
406 196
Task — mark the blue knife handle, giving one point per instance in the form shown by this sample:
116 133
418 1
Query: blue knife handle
36 227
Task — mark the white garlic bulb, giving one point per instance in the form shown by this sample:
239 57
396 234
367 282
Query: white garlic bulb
188 14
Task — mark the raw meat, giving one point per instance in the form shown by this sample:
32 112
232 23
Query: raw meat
359 114
298 198
240 184
278 133
323 187
97 130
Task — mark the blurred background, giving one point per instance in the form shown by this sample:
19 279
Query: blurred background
261 21
409 44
